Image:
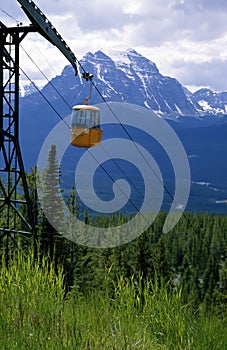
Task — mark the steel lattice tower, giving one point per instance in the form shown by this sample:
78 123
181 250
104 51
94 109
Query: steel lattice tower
13 185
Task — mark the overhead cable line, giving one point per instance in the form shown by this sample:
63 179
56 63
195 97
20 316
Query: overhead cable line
131 139
102 167
45 98
113 160
10 16
49 81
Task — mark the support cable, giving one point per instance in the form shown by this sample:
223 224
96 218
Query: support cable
45 98
45 76
105 171
89 78
131 139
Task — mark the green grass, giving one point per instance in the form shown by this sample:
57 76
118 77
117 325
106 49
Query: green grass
36 313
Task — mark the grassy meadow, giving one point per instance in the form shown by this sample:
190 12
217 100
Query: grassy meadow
36 312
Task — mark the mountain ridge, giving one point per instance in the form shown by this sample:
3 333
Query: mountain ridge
130 77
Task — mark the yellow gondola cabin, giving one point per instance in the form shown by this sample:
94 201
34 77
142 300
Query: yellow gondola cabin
85 126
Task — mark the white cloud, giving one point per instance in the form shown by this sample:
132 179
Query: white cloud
185 38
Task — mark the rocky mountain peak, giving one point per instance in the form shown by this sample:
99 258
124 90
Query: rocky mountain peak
130 77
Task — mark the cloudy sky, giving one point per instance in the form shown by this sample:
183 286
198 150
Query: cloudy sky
187 39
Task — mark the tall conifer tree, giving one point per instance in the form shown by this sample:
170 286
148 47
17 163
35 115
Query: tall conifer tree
52 204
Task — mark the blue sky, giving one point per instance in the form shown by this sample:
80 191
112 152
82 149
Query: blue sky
185 38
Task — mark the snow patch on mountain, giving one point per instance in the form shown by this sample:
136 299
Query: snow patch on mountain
205 105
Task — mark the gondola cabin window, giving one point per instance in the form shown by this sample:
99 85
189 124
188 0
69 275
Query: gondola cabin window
85 126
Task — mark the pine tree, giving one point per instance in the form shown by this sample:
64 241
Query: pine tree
52 206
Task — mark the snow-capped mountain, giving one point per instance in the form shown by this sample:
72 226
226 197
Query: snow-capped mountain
127 77
130 77
210 102
135 79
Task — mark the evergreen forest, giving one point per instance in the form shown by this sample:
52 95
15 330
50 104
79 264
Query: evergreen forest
159 291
